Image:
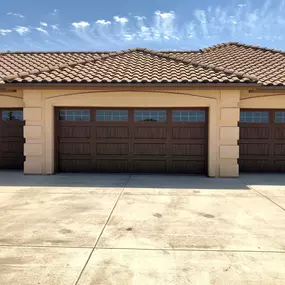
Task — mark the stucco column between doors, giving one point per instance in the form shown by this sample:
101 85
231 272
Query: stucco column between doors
33 132
229 133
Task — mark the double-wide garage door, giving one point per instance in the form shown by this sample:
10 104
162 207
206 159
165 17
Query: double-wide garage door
11 139
131 140
262 141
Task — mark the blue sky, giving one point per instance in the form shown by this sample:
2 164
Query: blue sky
154 24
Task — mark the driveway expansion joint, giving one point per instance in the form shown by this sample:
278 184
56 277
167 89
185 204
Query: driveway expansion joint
101 233
45 246
266 197
193 250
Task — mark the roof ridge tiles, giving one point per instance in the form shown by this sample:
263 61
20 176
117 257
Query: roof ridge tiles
50 68
141 49
255 47
55 52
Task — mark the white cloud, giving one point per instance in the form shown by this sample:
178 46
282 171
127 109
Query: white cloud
202 19
42 30
164 26
15 14
5 32
43 24
122 20
169 15
55 27
21 30
80 25
55 11
129 37
140 18
103 22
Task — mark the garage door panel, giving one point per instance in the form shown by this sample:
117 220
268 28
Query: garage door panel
156 149
112 148
110 132
76 165
11 161
150 132
188 150
258 149
279 149
12 147
12 131
280 165
188 133
111 165
75 148
255 165
157 166
187 166
78 131
150 142
279 133
253 132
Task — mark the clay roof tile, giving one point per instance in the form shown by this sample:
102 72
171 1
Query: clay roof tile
226 62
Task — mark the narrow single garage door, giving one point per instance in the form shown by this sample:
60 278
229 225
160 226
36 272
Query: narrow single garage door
262 141
11 139
131 140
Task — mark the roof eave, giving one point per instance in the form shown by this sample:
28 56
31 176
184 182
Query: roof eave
170 84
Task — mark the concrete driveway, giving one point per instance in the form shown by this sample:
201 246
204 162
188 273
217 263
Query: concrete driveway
141 229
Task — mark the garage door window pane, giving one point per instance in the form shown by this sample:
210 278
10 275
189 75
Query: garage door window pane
254 117
188 116
12 115
74 115
112 116
280 117
150 116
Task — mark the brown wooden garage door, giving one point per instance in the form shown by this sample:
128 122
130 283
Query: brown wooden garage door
131 140
11 139
262 141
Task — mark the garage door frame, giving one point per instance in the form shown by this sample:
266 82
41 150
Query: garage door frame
14 155
131 116
271 141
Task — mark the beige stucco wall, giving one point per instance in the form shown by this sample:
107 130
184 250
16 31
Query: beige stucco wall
223 119
262 100
11 99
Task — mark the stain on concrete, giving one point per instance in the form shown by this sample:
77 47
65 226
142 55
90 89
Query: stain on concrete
158 215
228 268
10 260
5 241
111 270
58 241
129 229
196 191
65 231
165 252
209 216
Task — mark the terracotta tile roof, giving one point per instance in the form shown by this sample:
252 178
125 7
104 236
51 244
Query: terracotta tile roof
224 63
131 66
268 65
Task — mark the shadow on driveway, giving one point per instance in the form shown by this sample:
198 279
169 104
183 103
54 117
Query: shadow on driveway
97 180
